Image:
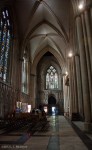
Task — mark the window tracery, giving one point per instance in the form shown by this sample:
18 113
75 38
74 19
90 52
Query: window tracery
5 44
51 78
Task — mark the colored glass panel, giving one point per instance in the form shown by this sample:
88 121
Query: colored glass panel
5 37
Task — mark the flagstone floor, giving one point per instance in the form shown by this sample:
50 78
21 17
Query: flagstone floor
58 134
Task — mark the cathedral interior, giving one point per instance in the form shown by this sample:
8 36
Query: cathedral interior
46 74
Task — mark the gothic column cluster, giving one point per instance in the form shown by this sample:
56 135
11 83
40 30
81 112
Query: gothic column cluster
66 96
80 69
33 89
73 95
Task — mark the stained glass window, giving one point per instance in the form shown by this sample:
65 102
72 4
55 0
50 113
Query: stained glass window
5 44
25 75
51 78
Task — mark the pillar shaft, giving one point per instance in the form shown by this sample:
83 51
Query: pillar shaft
75 88
84 74
89 33
91 14
33 90
65 91
79 85
87 50
70 90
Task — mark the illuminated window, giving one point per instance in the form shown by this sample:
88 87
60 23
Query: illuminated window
5 44
25 75
51 78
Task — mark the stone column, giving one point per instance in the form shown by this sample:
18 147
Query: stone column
70 90
65 91
42 97
84 73
75 88
89 33
88 45
91 14
32 88
72 86
79 85
28 82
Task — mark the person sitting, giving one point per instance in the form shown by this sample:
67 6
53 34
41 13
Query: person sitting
44 114
33 111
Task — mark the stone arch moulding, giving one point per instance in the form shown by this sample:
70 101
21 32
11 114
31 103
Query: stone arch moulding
41 53
53 97
51 94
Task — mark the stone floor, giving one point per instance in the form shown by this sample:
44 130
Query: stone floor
58 134
61 136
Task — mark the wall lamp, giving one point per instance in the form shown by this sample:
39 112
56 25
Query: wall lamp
70 54
81 6
66 73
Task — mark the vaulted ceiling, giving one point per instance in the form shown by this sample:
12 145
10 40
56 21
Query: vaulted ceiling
45 23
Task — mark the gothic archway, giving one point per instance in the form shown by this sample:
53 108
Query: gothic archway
51 100
52 106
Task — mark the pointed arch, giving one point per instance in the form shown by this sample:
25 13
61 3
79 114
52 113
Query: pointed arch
41 53
54 43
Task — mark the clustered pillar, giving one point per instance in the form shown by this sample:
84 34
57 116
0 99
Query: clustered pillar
73 102
33 80
80 69
84 73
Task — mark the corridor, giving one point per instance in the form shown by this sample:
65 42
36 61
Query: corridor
57 134
46 71
60 136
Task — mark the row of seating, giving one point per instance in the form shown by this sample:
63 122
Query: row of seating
19 120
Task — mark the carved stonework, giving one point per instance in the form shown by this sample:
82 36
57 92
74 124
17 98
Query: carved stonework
67 81
7 99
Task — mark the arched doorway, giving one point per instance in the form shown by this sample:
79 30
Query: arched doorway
51 100
52 107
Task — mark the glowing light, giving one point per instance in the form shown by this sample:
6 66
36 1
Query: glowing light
45 109
81 6
66 73
29 108
70 54
53 110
